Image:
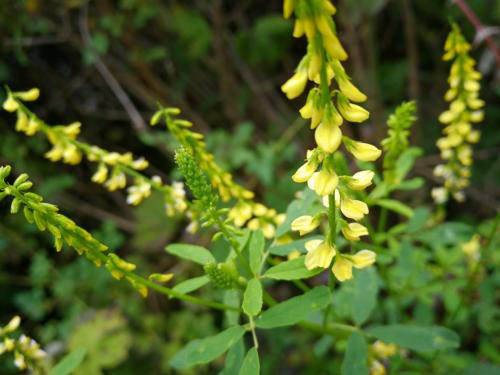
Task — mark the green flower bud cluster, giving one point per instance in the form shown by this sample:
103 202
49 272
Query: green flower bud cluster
396 143
195 178
222 275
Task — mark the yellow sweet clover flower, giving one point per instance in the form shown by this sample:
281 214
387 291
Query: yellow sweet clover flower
319 254
329 104
138 192
464 110
161 277
377 368
383 350
27 352
353 231
113 168
472 248
305 224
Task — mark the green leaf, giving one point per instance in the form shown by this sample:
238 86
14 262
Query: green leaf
206 350
256 250
413 184
365 294
191 285
406 161
355 357
307 204
420 339
69 362
251 364
192 253
234 359
291 270
482 369
252 299
395 206
295 309
419 219
447 234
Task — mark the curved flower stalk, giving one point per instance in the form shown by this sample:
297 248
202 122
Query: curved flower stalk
245 212
65 231
27 352
465 109
329 103
112 167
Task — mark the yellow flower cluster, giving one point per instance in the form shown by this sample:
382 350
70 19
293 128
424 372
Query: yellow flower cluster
245 212
113 167
327 107
256 216
27 352
465 109
381 351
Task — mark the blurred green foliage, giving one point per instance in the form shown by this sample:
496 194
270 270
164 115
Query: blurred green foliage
222 62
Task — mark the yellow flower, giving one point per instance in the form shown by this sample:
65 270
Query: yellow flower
288 7
351 91
293 255
19 361
13 324
353 231
32 127
29 95
334 48
73 129
363 151
353 208
137 193
117 181
295 85
324 182
342 269
140 164
305 224
328 137
383 350
377 368
305 172
71 154
10 105
22 121
361 180
101 174
161 277
319 254
363 258
241 213
351 112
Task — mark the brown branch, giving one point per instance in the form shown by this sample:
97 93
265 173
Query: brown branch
136 118
474 20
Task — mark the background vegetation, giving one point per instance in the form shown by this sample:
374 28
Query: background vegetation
107 64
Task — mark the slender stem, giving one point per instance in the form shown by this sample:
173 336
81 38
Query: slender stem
382 220
145 282
254 335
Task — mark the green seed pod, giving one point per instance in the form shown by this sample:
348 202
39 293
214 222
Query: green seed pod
222 275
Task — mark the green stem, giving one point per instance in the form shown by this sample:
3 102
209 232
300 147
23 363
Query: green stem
382 220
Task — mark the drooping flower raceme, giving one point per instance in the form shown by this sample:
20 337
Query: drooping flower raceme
329 103
464 111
